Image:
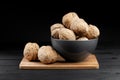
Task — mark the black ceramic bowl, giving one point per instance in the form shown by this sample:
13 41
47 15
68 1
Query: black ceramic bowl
73 50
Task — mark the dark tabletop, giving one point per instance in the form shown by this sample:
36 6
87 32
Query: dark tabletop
109 60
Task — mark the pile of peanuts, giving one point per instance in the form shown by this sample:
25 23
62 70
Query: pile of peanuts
74 28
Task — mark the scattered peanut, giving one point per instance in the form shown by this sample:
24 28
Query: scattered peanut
30 51
47 55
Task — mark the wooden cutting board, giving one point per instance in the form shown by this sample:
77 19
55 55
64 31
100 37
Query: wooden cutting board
89 63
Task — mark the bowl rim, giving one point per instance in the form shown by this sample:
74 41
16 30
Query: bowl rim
75 40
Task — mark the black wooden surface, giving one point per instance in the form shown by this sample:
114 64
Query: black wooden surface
109 60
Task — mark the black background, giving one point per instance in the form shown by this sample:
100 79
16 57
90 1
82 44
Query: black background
30 22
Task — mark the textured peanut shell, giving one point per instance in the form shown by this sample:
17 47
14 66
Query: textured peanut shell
79 26
47 55
30 51
67 19
55 33
82 38
93 32
56 26
66 34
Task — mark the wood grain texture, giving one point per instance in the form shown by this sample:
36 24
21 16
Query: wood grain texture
89 63
109 62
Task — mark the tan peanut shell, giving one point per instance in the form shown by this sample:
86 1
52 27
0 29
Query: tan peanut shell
93 32
79 26
30 51
67 19
56 26
66 34
55 33
47 55
82 38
